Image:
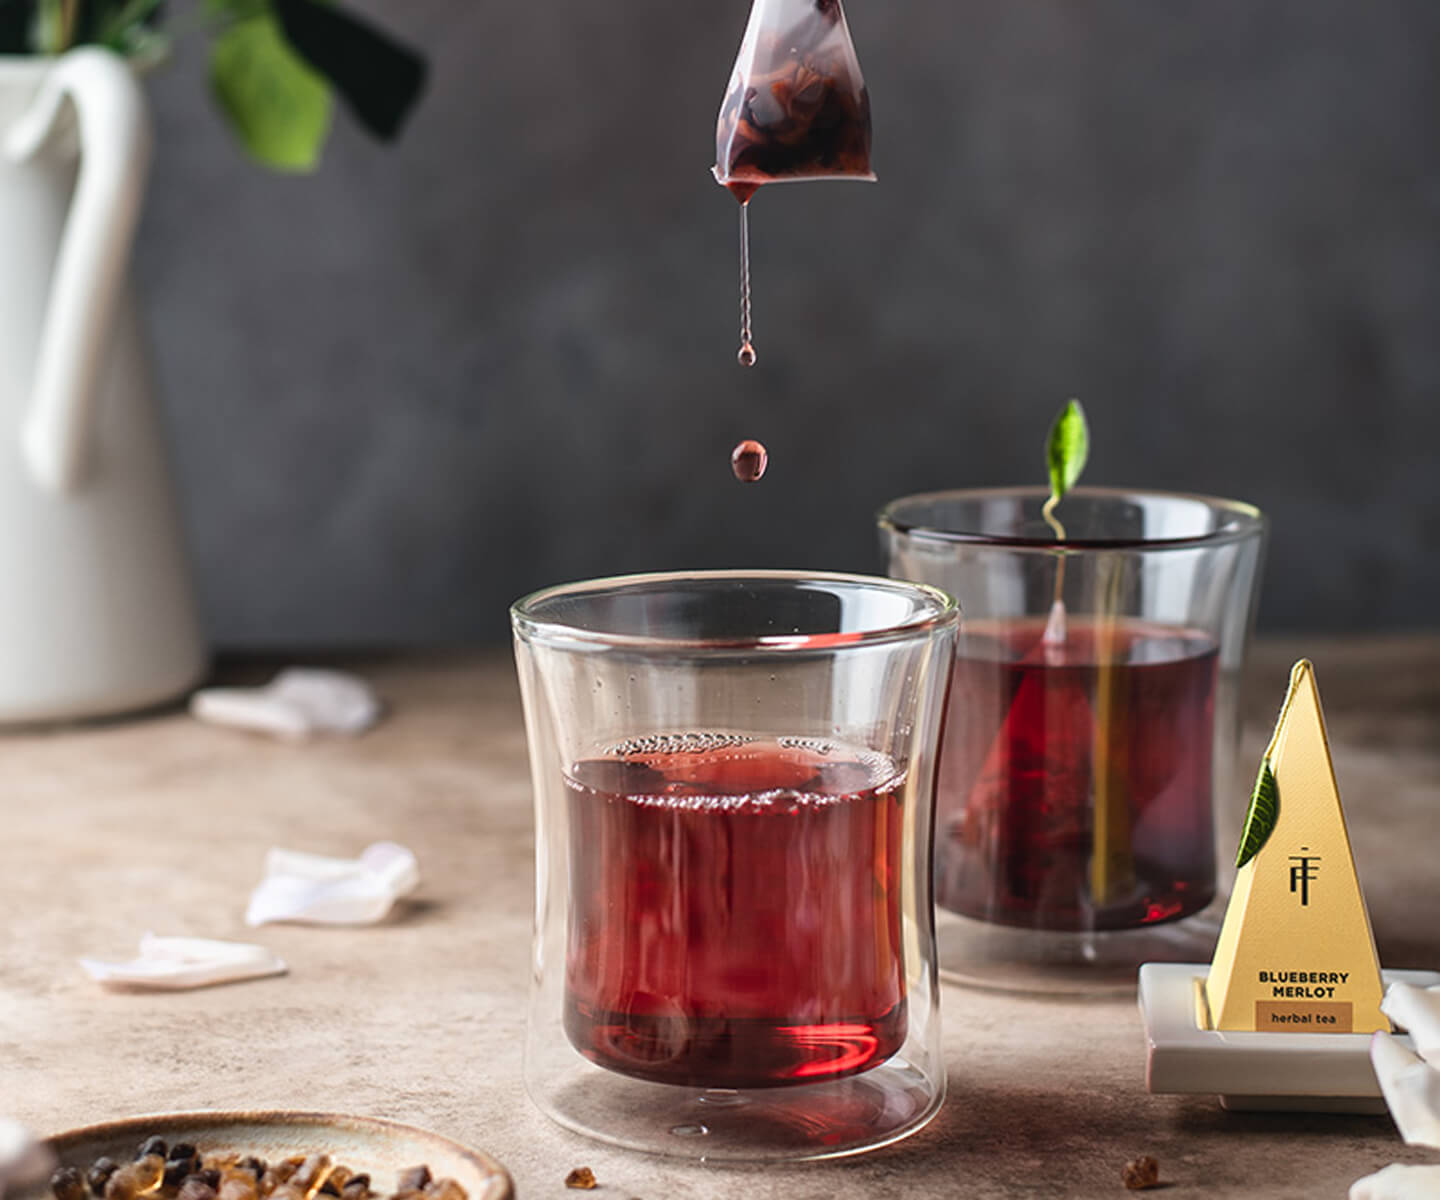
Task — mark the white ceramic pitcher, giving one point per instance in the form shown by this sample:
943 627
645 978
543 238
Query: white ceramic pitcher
97 614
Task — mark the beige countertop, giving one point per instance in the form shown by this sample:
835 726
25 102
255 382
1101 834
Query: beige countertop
161 823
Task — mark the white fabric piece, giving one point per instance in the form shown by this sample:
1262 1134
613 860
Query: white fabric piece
24 1161
1411 1088
180 963
298 702
1399 1182
1417 1011
314 889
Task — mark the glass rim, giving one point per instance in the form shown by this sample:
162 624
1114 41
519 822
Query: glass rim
1248 520
944 610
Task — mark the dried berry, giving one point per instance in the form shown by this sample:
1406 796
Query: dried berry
414 1179
183 1150
68 1184
312 1172
146 1172
582 1178
444 1189
1143 1173
177 1170
357 1187
151 1145
329 1188
238 1186
136 1177
121 1186
256 1166
195 1188
99 1174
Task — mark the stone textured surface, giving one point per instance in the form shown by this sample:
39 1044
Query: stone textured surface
162 823
502 354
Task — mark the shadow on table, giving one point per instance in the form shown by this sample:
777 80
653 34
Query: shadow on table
1017 1139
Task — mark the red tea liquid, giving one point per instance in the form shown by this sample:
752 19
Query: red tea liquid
1075 780
735 918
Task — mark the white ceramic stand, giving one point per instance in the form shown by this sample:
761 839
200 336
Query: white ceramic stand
1287 1072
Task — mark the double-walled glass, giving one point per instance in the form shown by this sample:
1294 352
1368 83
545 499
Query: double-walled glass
1092 724
734 950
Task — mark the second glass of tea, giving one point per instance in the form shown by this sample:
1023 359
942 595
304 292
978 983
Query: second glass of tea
733 776
1086 741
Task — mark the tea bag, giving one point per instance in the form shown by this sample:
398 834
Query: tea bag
796 107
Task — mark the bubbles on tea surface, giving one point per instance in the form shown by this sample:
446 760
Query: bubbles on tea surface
748 460
677 743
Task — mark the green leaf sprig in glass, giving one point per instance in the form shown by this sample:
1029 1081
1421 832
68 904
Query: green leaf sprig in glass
1066 451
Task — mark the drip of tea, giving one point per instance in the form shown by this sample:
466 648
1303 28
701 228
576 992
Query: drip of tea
796 109
748 460
746 356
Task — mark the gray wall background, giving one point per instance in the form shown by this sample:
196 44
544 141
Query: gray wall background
501 354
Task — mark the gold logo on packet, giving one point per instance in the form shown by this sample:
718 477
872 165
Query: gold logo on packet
1296 953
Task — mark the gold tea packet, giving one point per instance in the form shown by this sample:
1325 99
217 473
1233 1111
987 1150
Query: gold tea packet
1296 953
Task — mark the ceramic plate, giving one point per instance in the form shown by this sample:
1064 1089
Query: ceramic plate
1322 1072
381 1148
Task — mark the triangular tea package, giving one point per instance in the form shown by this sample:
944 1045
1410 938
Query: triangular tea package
796 107
1296 953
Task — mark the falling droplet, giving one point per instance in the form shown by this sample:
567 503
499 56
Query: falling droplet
746 357
748 460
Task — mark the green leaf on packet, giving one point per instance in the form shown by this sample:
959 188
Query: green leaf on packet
1260 820
1067 448
278 106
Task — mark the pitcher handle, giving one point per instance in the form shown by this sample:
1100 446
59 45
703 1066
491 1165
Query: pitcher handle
116 141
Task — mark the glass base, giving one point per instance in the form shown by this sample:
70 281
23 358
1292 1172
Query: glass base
789 1124
1046 963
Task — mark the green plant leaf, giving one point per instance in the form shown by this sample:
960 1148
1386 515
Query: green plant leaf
379 78
278 106
1260 820
1067 448
15 23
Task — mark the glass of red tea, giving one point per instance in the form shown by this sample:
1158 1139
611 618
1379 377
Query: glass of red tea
1091 726
734 772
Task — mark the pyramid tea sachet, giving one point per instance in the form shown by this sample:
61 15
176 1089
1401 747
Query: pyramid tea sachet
1296 953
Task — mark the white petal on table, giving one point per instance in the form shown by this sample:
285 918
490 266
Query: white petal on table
299 701
1399 1182
1417 1011
1411 1088
23 1160
315 889
180 963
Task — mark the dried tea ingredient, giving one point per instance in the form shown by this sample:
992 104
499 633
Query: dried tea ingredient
796 106
99 1174
1142 1173
582 1178
68 1184
413 1179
